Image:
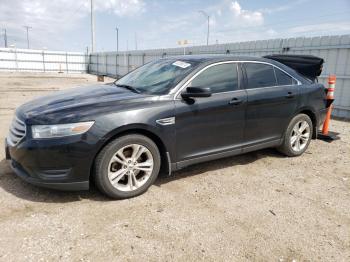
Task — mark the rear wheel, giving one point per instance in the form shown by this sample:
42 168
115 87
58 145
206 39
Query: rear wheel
127 166
297 136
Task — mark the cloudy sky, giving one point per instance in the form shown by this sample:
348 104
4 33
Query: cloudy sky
65 24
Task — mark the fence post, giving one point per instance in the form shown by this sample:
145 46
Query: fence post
67 63
97 63
282 46
16 61
127 62
44 61
106 64
116 65
87 62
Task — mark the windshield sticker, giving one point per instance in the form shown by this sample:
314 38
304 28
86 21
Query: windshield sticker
181 64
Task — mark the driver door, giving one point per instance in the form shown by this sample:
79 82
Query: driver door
213 125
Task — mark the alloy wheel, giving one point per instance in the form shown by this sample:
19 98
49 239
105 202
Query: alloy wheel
130 167
300 135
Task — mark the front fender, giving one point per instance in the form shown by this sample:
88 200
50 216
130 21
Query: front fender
142 120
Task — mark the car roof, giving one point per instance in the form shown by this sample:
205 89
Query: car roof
213 58
219 58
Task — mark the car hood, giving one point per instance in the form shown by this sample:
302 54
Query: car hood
78 103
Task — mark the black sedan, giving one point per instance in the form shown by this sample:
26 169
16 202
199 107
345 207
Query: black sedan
161 117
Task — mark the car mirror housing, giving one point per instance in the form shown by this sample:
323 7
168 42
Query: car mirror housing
192 92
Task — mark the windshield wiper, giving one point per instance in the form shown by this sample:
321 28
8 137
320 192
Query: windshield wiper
131 88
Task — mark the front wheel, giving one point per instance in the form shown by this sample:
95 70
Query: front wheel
297 136
127 166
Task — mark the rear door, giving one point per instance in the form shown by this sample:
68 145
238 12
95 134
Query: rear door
272 101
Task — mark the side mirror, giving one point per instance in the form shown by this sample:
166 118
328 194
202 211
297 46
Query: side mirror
196 92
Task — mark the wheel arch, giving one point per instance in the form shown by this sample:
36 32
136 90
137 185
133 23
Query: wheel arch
311 113
139 130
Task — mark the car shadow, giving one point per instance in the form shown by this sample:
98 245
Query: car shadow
14 185
222 163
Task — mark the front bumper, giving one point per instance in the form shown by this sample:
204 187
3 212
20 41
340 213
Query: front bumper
60 163
66 186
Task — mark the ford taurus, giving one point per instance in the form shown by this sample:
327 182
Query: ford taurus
162 117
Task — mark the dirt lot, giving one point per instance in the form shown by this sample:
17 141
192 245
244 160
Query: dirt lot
256 207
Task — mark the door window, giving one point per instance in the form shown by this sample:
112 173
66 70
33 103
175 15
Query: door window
260 75
219 78
283 79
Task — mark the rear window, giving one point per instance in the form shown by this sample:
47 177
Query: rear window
260 75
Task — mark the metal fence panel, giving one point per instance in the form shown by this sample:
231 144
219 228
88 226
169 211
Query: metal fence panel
335 50
12 59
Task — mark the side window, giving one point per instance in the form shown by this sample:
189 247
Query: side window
220 78
260 75
283 79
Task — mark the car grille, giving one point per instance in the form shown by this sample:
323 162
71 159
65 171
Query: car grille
17 131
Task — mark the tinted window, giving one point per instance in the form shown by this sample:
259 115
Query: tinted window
158 77
283 79
260 75
220 78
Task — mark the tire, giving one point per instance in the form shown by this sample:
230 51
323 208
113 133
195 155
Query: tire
127 166
299 131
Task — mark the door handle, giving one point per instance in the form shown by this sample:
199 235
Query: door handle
290 95
235 101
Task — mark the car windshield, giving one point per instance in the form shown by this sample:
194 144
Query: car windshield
158 77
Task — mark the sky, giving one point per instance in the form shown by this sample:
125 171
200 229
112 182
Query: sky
149 24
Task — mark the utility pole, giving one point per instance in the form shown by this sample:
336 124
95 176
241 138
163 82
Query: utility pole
208 18
92 26
27 28
117 29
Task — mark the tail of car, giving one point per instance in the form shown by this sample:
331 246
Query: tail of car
307 65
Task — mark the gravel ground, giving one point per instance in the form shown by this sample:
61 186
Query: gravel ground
259 206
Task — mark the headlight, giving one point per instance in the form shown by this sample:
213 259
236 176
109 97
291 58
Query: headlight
49 131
